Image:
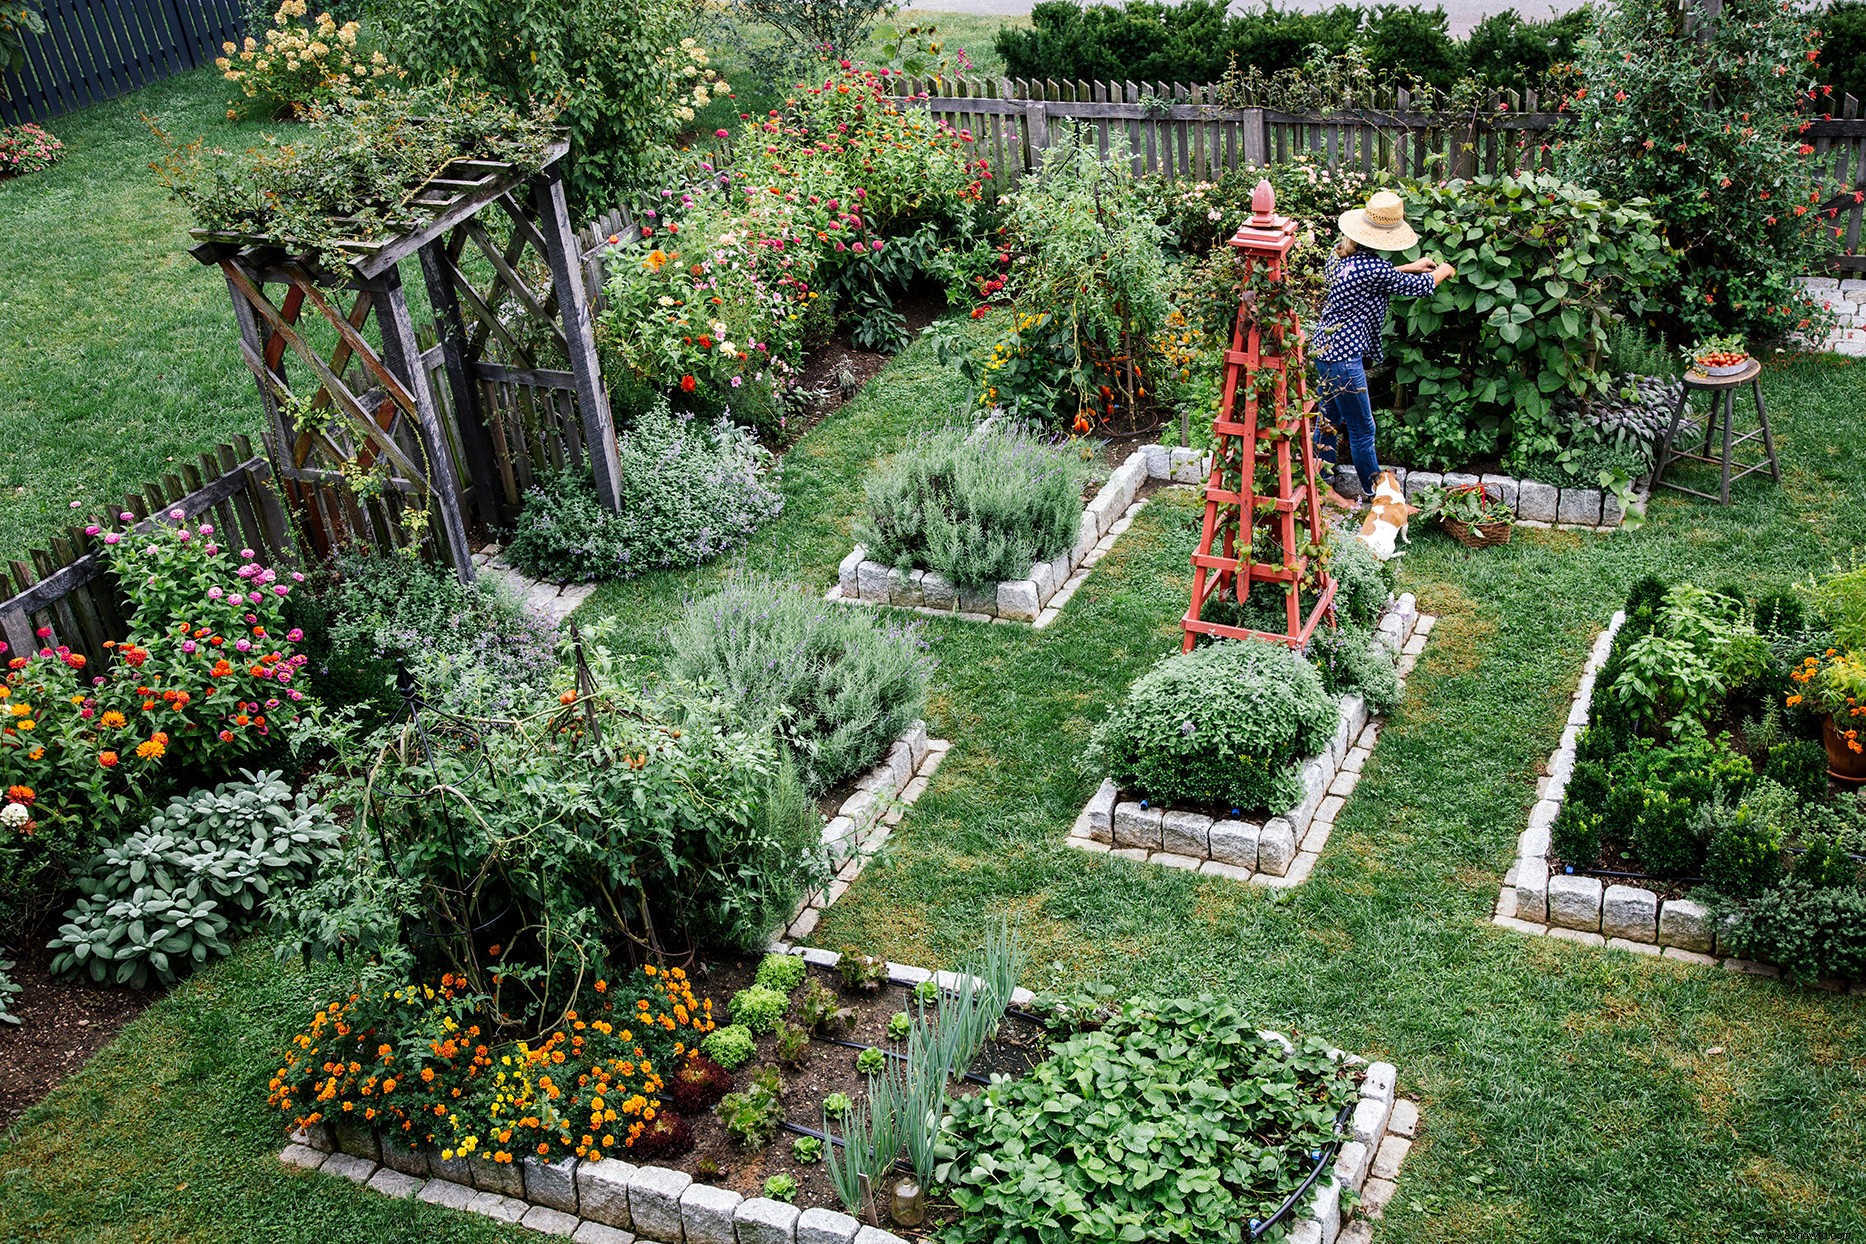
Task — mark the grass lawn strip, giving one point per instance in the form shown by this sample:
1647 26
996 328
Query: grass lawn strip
1281 851
1039 597
862 823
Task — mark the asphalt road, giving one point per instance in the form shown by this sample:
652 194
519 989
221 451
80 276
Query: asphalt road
1463 14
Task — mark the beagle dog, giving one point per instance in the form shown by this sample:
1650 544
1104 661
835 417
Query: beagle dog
1387 516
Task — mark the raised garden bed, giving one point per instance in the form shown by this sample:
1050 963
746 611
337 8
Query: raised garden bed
864 818
711 1195
1535 504
1610 900
1275 851
1040 596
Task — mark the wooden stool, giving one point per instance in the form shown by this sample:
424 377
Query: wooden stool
1723 395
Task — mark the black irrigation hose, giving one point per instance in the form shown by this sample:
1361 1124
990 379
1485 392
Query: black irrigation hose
1323 1157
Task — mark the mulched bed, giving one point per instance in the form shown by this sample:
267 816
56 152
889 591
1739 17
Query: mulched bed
841 357
826 1068
61 1025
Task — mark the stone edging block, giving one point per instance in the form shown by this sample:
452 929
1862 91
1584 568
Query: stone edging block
1281 850
1534 503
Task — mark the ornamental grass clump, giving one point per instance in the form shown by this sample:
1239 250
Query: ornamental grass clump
690 491
976 506
1227 724
837 684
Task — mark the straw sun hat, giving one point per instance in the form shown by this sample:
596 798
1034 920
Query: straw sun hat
1381 225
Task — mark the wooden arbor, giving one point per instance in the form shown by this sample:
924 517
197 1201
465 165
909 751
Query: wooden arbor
367 430
1253 498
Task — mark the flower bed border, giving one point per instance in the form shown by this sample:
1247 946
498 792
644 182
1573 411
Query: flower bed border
865 819
1535 503
616 1202
1039 597
1598 911
1282 851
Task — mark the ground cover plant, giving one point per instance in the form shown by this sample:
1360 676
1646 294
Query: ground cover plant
977 505
691 490
1706 763
27 149
838 685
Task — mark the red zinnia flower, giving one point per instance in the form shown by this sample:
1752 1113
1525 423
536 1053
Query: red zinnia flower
688 384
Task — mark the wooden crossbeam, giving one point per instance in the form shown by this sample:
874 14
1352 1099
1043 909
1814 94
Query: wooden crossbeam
516 284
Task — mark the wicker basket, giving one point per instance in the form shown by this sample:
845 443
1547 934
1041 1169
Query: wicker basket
1479 535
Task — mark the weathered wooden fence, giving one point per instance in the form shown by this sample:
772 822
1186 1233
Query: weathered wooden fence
1183 132
67 588
93 50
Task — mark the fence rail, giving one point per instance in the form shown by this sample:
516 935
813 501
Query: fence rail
66 589
94 50
1184 132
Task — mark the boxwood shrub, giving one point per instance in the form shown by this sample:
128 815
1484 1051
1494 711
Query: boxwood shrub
1228 723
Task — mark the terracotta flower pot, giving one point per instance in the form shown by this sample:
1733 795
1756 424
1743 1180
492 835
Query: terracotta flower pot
1846 758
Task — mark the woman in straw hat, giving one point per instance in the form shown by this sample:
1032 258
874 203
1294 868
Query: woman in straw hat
1347 337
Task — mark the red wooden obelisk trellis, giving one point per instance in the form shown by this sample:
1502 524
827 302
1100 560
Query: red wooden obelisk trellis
1246 515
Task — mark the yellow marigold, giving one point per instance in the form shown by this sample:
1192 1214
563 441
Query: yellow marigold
149 749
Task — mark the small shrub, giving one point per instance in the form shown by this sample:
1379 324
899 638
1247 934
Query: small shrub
863 973
1779 614
1801 766
1824 863
1362 581
1809 931
871 1062
1228 723
759 1008
807 1149
698 1083
821 1010
1743 857
1351 659
792 1041
302 64
781 1187
731 1046
754 1116
27 149
1646 798
782 972
837 684
977 507
690 491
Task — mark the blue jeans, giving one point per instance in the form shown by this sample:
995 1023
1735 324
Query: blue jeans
1346 408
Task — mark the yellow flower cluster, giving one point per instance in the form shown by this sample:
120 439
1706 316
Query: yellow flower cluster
302 63
687 65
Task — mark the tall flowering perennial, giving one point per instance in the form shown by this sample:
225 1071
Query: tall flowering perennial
27 149
422 1065
304 62
1707 123
710 304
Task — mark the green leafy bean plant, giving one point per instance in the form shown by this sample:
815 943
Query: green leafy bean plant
977 506
1544 267
1175 1121
839 685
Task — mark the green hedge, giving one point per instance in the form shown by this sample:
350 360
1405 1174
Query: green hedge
1196 41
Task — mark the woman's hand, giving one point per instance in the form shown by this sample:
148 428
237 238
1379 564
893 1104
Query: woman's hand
1417 265
1442 273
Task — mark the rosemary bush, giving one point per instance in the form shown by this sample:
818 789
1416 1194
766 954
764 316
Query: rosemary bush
837 684
976 507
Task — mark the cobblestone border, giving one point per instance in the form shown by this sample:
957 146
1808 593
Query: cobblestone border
1281 851
1846 298
1039 597
862 824
1591 910
616 1202
1534 503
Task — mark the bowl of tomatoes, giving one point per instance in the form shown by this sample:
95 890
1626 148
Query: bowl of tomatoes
1719 356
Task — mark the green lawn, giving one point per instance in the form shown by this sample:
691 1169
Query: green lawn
1569 1093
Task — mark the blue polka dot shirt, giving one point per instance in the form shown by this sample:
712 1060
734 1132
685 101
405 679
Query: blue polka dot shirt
1355 311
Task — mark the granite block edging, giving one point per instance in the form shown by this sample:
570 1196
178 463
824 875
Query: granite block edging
1535 503
1595 911
613 1201
1039 597
1280 851
865 819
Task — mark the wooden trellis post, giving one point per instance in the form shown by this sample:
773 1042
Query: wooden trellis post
1266 345
370 408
